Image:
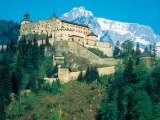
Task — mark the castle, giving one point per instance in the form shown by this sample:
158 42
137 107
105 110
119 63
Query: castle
68 37
61 30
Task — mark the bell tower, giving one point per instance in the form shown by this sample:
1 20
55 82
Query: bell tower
26 18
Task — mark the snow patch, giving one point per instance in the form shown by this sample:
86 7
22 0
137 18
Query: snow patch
118 27
142 41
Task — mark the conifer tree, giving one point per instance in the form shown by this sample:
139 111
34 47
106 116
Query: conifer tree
156 83
80 77
2 50
91 74
156 111
150 49
129 76
154 53
35 54
141 106
127 47
138 51
116 49
47 40
5 88
55 86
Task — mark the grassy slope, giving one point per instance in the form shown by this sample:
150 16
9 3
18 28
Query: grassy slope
75 101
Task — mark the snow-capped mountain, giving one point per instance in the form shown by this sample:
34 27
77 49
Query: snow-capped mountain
112 31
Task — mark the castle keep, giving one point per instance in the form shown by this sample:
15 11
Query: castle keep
61 30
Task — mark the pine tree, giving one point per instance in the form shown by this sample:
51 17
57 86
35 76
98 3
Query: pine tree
138 51
55 87
2 50
5 88
127 47
35 54
129 76
116 49
156 111
91 74
154 53
143 78
80 77
141 106
156 83
150 49
47 40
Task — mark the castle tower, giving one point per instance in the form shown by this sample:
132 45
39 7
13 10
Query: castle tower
146 57
26 18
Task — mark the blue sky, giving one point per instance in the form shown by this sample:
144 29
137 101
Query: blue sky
145 12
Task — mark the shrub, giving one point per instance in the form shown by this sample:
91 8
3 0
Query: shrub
98 52
56 115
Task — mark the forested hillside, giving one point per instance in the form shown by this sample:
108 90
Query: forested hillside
9 30
132 93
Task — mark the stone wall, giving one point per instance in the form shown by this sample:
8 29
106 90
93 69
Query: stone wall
65 75
81 51
106 70
103 46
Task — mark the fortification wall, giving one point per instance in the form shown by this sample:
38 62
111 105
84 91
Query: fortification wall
103 46
79 50
63 74
66 76
106 70
110 61
74 75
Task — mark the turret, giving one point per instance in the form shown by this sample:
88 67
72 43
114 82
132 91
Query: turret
54 16
26 18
